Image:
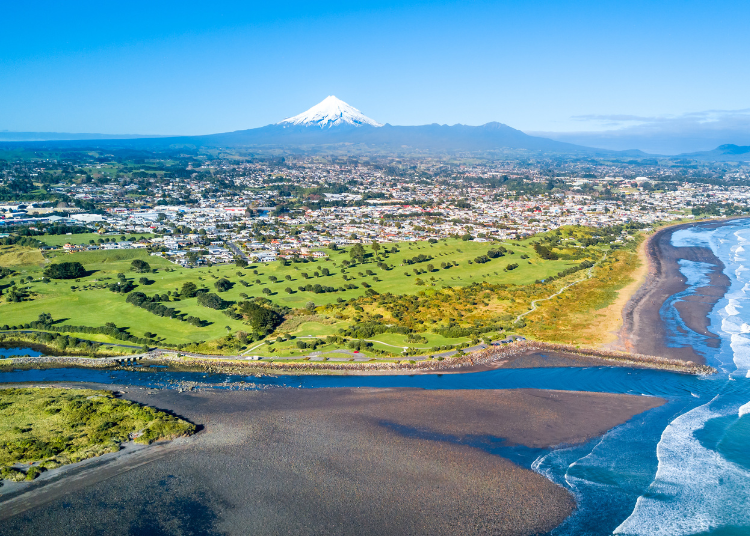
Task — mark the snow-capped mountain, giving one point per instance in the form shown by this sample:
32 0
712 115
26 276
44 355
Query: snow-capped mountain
329 113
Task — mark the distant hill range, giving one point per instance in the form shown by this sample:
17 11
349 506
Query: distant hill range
335 125
727 152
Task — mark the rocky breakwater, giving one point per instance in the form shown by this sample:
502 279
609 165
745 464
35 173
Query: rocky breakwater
491 356
72 361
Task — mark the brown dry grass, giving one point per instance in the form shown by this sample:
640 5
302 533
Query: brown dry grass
590 313
13 256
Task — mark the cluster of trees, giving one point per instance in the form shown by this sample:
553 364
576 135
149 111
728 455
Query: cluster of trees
359 345
716 209
607 235
319 289
16 295
152 305
261 318
25 241
573 269
367 330
417 259
65 270
545 253
45 322
499 251
123 285
53 229
454 331
310 344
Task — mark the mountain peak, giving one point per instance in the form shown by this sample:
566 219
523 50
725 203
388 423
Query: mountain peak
328 113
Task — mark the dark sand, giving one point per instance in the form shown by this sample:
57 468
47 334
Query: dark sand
643 330
334 461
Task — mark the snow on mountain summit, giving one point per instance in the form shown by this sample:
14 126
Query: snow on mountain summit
328 113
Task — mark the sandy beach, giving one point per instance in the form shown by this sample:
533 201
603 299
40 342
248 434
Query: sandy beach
644 331
335 461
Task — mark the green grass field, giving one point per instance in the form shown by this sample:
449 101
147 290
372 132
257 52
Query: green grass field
53 427
80 303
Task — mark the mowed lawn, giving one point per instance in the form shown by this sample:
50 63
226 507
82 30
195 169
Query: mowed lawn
95 307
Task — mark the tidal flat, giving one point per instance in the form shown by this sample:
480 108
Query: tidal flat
338 461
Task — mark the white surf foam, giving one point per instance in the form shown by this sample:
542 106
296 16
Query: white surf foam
733 307
695 489
744 409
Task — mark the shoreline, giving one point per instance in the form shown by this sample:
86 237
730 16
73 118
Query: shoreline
643 329
357 458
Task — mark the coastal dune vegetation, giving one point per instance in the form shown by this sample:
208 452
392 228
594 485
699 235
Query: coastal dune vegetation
44 428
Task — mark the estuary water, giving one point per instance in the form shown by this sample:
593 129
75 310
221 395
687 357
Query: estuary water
682 468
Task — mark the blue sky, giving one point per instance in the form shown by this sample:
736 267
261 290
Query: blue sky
201 67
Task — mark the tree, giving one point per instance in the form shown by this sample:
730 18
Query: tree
375 247
65 270
267 291
210 300
140 266
288 290
357 253
188 290
223 284
261 319
240 263
310 306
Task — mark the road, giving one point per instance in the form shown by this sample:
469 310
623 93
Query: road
237 251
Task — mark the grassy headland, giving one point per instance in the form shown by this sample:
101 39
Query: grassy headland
51 427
